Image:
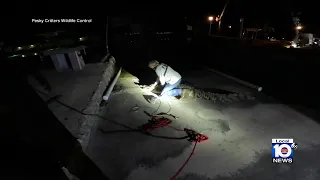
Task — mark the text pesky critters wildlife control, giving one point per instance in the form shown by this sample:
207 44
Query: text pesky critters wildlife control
61 20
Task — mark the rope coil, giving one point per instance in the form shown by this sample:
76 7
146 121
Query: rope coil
158 121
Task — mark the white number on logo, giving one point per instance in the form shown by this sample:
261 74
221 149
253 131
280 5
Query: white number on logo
277 150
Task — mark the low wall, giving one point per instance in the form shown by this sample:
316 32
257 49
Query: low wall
88 121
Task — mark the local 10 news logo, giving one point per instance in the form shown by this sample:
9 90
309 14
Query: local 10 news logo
283 150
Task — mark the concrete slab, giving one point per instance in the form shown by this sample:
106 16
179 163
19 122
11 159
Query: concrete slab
75 88
239 145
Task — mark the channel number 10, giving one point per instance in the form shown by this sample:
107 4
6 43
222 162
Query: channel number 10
282 150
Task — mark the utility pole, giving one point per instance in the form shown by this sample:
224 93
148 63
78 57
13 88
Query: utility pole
210 18
222 13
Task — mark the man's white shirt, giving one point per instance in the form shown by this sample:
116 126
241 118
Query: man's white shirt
167 75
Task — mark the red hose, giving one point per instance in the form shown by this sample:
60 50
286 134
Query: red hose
185 163
193 136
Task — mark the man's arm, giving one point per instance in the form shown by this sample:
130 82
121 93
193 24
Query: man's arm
162 80
161 73
154 84
157 82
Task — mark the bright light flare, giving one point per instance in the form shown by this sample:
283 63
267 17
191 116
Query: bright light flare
299 27
210 18
19 48
148 91
294 45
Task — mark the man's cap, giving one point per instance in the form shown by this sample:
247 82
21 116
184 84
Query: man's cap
153 64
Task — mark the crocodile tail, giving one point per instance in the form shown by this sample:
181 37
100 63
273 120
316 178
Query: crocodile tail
224 98
190 92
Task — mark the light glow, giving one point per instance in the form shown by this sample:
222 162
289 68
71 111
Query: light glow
294 45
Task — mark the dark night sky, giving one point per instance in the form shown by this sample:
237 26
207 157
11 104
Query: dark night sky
276 12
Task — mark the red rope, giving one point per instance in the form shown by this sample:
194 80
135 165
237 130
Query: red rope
185 163
177 129
158 122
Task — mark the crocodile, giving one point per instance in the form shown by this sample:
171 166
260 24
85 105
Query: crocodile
190 92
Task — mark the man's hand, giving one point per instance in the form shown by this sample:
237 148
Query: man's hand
148 88
151 88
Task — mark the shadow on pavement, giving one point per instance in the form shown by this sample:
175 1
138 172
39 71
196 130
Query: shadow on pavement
148 98
261 168
35 144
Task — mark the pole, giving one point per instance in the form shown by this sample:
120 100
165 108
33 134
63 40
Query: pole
109 90
107 35
241 27
210 28
222 13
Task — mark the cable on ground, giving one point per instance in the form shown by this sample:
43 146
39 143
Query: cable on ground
157 121
192 136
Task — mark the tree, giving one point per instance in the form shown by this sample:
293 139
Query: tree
267 30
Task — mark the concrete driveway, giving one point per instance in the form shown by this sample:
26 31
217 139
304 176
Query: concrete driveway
239 144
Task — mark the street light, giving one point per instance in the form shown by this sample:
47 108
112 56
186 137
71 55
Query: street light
299 27
210 18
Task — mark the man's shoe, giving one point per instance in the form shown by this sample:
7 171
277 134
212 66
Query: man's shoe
178 97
